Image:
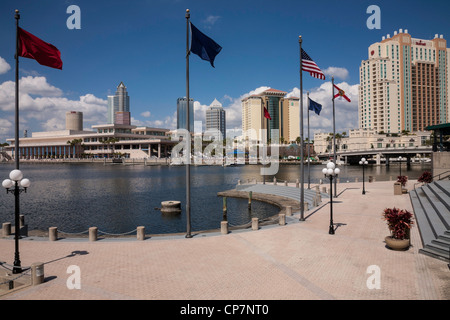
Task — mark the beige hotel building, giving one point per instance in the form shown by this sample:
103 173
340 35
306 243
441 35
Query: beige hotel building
404 84
284 113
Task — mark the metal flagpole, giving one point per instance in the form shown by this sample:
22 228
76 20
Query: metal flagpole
188 138
334 135
16 143
309 145
302 176
17 265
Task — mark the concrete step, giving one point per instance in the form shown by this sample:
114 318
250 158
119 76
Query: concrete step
425 230
439 206
433 216
433 219
441 190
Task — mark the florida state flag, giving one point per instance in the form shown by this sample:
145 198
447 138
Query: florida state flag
341 93
44 53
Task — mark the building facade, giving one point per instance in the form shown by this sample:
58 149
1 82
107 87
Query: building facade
181 113
119 106
284 115
215 118
369 139
404 84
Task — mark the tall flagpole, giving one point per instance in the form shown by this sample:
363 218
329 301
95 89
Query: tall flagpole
188 138
334 134
309 144
302 176
17 265
16 143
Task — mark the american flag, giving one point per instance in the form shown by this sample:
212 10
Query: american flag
310 66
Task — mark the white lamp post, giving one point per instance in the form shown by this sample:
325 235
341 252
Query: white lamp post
16 185
331 172
363 162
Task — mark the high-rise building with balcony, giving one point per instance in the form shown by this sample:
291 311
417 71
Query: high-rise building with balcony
404 84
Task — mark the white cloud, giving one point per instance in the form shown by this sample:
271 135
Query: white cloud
146 114
211 20
346 113
43 107
4 66
336 72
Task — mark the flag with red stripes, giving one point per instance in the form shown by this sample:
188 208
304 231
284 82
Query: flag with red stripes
310 66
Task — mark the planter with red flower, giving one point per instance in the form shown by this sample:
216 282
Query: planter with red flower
426 177
399 223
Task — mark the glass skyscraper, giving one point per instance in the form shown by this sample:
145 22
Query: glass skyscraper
215 118
120 102
181 114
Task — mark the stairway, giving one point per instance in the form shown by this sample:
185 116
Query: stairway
431 204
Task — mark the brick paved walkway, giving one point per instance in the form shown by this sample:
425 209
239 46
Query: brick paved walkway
299 260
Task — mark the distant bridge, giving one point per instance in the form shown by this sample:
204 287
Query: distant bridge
354 156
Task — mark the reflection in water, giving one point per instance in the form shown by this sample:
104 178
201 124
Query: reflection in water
118 198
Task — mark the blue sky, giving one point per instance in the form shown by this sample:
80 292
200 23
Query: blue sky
142 43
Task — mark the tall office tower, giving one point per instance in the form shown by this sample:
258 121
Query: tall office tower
215 118
284 114
120 102
404 84
181 113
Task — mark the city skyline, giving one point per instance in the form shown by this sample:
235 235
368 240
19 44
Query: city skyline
120 43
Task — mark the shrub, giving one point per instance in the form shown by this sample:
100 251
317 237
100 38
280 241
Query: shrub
398 221
426 177
402 180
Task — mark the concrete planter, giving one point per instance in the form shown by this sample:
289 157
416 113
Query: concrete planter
396 244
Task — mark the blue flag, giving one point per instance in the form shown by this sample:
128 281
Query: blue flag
203 46
314 106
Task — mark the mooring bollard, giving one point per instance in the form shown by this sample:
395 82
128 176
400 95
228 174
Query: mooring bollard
140 233
305 206
274 181
239 182
52 233
6 229
255 223
224 209
288 211
224 227
356 179
297 184
93 234
21 220
282 217
250 199
285 183
37 273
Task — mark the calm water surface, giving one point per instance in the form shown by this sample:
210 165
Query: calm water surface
118 198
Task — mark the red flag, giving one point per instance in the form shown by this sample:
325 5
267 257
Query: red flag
341 93
44 53
266 114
